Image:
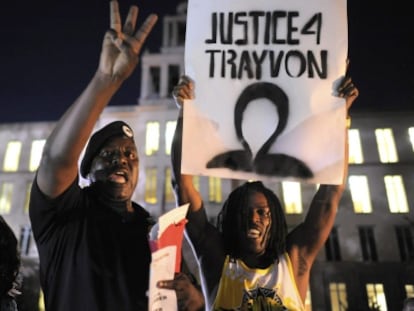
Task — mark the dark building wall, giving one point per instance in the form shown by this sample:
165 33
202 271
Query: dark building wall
356 275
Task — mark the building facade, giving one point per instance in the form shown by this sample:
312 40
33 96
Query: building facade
368 260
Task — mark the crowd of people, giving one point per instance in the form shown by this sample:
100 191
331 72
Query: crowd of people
93 241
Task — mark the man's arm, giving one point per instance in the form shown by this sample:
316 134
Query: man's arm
182 183
305 241
204 237
119 56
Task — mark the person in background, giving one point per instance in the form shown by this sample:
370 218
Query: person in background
249 261
9 267
93 241
408 304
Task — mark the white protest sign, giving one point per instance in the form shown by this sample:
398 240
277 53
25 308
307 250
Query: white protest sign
162 268
265 75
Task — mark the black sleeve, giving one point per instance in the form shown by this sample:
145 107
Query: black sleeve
208 246
45 212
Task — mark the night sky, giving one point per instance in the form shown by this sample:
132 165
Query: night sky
49 50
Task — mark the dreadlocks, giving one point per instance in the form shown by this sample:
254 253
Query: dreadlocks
233 218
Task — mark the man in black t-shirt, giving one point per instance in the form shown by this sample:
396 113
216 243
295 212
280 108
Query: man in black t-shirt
93 241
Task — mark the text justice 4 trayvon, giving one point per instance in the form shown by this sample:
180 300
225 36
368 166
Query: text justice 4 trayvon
264 28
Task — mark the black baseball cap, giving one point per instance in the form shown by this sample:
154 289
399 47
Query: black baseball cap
98 139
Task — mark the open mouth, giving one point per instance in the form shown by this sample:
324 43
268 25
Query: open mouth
253 233
119 177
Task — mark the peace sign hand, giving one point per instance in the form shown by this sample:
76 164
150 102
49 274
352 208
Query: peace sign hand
121 47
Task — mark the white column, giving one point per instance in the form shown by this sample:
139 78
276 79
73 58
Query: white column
164 79
145 80
174 34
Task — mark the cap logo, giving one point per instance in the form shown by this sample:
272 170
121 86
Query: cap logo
127 131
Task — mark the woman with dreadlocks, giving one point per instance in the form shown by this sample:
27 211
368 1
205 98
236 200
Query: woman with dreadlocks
249 261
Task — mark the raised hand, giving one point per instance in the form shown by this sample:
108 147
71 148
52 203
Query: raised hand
347 89
121 45
183 90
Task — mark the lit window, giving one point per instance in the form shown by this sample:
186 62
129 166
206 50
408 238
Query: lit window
386 145
169 134
411 135
41 301
6 198
359 189
36 154
214 189
11 159
397 200
376 297
151 185
27 198
355 149
196 182
292 197
152 138
409 290
339 299
168 191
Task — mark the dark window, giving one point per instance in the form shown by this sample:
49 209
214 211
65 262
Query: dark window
332 250
155 77
25 239
173 76
405 242
366 237
181 33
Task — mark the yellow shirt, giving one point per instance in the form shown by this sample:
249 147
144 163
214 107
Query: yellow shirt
270 289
